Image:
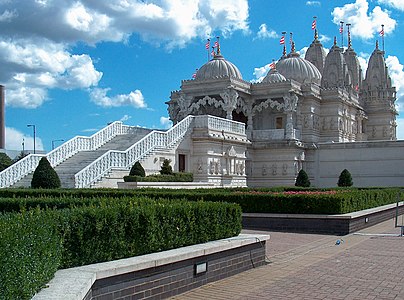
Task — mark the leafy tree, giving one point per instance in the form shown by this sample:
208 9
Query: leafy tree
345 179
45 176
302 179
137 170
20 156
5 161
166 168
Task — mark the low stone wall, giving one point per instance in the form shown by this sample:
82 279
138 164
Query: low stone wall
158 275
325 224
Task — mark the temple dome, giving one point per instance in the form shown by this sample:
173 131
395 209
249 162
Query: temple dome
274 76
299 69
218 67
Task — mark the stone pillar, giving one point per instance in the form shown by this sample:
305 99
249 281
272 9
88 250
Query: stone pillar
289 132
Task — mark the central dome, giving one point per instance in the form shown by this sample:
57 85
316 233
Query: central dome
218 67
299 69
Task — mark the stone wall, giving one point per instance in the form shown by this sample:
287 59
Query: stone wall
378 163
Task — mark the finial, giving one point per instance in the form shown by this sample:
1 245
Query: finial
284 50
335 41
377 45
291 38
348 25
218 45
293 50
315 35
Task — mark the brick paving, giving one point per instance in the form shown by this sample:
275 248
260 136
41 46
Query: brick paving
366 265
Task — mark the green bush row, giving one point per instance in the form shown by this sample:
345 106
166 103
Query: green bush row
175 177
33 244
251 200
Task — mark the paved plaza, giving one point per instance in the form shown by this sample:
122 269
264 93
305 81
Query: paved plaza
365 265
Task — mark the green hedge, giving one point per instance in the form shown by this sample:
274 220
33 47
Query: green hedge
34 244
175 177
279 200
30 252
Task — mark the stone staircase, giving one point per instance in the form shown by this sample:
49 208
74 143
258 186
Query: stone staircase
67 169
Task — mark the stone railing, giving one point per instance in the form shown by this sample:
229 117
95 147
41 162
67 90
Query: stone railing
124 159
273 134
23 167
216 123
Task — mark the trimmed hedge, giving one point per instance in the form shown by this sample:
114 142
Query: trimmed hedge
279 200
34 244
30 252
175 177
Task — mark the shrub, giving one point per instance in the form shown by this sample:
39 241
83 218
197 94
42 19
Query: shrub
345 179
137 170
30 253
302 179
45 176
175 177
166 168
5 161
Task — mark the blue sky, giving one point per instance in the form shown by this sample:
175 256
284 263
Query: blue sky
70 67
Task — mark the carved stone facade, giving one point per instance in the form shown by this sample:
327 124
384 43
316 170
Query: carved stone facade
302 103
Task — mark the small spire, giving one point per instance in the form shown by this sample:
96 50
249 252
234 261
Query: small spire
377 45
349 36
284 50
315 35
218 45
293 50
335 41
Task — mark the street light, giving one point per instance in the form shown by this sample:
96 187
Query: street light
53 143
33 126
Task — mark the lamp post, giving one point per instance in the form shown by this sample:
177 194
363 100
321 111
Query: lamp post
34 128
53 143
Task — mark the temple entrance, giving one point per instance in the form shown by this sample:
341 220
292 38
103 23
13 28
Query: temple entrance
181 162
239 117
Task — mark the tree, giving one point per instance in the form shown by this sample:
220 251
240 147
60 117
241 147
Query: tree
20 156
137 170
166 168
345 179
302 179
5 161
45 176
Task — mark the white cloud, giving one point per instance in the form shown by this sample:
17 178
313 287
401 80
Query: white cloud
396 71
125 118
166 122
30 68
15 138
397 4
400 128
313 3
36 55
365 24
324 39
263 32
99 97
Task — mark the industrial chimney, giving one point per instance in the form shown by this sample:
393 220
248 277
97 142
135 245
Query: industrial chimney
2 119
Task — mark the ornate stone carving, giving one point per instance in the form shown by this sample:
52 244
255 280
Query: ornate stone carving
290 102
229 97
268 103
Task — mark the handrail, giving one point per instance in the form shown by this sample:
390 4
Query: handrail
23 167
123 159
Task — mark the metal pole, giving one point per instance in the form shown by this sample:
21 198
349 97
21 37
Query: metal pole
34 127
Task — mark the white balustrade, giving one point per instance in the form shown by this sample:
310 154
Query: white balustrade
23 167
124 159
220 124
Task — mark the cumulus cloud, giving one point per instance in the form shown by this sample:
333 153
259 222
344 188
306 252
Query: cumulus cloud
166 122
135 98
365 24
396 71
31 67
264 33
125 118
15 139
36 55
397 4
